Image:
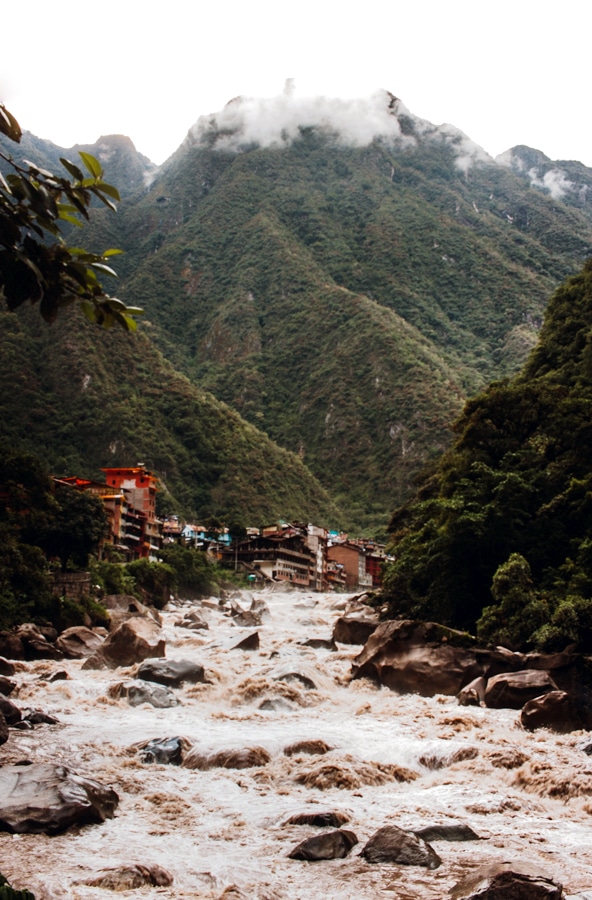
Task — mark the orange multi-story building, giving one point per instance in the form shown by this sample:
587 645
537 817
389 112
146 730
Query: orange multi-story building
139 486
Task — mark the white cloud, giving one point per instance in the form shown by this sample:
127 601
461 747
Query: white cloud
554 181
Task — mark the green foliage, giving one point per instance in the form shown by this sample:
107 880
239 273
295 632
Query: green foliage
6 891
74 531
111 577
155 581
516 486
67 612
194 573
36 263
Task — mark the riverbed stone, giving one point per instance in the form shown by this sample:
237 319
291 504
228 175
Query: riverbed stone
511 690
354 629
171 672
130 877
505 881
329 845
11 647
555 710
137 692
135 640
78 642
48 798
6 686
3 729
419 657
164 751
9 710
447 832
6 667
391 844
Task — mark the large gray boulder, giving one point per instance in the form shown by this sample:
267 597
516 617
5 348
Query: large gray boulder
393 845
511 690
555 710
419 657
135 640
138 692
122 607
78 642
505 881
171 672
47 798
329 845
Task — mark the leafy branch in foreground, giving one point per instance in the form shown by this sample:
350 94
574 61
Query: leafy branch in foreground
36 263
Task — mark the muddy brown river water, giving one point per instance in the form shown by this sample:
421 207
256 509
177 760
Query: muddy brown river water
222 832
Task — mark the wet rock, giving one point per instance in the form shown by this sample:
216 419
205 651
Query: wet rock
419 657
6 686
11 647
330 845
164 751
330 819
130 877
135 640
511 690
290 672
139 692
35 644
243 642
6 667
310 746
459 832
38 717
171 672
9 710
193 620
354 629
122 607
473 694
3 729
318 643
555 710
393 845
47 798
60 675
504 881
78 642
245 758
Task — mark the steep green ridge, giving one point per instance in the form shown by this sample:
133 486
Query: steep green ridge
82 399
510 504
345 299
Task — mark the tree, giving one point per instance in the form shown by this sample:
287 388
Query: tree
75 529
36 263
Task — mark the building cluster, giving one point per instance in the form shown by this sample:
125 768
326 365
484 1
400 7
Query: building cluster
305 555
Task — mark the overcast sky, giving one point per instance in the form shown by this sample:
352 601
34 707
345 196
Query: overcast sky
505 73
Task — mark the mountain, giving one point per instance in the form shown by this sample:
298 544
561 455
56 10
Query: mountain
82 398
343 274
344 278
499 533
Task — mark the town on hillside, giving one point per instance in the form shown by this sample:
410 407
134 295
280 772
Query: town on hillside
306 555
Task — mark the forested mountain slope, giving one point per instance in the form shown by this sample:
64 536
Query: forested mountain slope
343 281
346 298
504 520
82 398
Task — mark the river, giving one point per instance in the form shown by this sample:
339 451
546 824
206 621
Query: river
222 832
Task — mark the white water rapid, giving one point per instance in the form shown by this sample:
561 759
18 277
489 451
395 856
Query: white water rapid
221 832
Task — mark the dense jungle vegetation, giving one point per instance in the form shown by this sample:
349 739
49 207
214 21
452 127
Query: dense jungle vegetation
498 535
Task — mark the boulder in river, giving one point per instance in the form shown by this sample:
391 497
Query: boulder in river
6 686
3 729
329 845
354 629
78 642
164 751
6 667
458 832
391 844
122 607
328 819
130 877
9 710
171 672
139 692
419 657
511 690
555 710
48 798
135 640
504 881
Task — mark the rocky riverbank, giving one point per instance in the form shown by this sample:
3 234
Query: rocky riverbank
247 763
